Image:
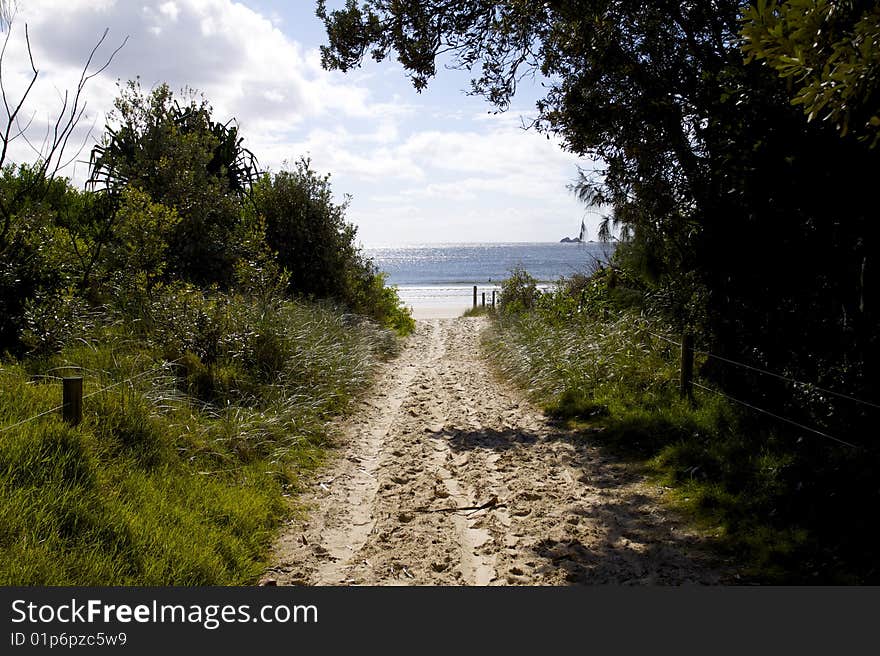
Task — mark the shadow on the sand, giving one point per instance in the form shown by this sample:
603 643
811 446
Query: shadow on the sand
486 439
631 541
633 547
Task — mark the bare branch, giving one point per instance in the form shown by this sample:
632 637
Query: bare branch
37 151
74 121
82 146
2 56
51 154
59 144
8 10
109 60
22 130
11 116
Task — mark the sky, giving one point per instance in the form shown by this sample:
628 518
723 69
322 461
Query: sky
436 166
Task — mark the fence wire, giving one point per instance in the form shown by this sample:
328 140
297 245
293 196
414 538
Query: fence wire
775 416
772 373
57 408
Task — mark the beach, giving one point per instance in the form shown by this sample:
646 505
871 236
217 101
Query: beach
438 312
436 281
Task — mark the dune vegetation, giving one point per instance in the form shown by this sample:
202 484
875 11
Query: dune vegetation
784 504
220 317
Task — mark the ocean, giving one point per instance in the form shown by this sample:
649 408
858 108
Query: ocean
437 279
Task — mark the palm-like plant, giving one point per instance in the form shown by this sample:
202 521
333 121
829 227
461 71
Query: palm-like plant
157 126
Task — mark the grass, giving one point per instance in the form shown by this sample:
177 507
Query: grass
782 508
479 311
179 477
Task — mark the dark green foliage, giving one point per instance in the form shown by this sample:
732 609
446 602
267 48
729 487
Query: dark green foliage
172 204
156 126
308 231
316 246
829 50
786 506
134 256
176 477
744 222
47 260
576 404
185 160
372 297
519 292
177 472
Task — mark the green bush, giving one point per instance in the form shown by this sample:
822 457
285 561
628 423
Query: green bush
183 159
373 298
176 476
218 334
519 292
760 490
315 244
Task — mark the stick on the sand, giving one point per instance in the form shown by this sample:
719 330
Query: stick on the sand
491 503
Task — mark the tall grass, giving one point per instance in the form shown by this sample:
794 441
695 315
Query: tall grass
179 476
783 508
479 311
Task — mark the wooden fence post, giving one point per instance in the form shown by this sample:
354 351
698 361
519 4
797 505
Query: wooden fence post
484 299
475 296
687 365
493 299
72 400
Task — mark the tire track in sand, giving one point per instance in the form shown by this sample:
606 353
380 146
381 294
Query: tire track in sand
341 501
539 505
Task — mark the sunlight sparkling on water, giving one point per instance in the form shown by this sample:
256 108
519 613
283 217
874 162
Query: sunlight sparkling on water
443 275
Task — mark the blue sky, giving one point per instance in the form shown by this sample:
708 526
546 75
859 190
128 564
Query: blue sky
431 167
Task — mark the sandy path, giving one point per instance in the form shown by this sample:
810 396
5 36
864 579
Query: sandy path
538 505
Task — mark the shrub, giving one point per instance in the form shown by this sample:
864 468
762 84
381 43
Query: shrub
315 244
519 292
176 476
373 298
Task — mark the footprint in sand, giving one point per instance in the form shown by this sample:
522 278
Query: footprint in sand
401 459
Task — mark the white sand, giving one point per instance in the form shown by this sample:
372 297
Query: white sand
439 312
447 476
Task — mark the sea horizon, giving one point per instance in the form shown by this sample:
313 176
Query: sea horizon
510 242
437 279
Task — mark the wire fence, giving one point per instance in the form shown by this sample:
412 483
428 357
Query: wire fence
779 376
774 374
775 416
665 338
120 383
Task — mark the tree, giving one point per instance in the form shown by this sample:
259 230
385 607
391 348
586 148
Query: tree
315 245
135 254
31 191
8 9
635 85
185 160
746 222
155 126
308 231
830 51
51 156
629 83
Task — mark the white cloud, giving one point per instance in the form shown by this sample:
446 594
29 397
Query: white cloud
363 157
240 59
418 170
171 10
